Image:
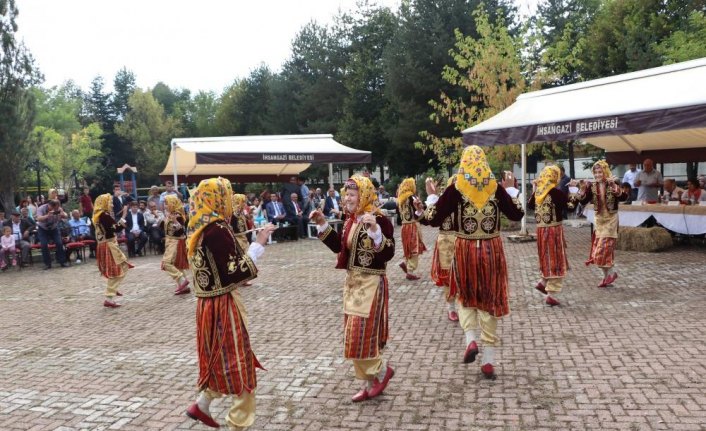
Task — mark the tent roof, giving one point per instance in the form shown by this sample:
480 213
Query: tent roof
255 158
638 113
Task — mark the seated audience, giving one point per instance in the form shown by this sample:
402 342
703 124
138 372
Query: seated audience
135 227
627 190
672 190
332 207
22 229
81 231
275 210
7 249
154 226
693 194
295 215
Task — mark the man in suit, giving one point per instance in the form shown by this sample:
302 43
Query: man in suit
135 227
332 206
21 230
295 215
275 210
288 188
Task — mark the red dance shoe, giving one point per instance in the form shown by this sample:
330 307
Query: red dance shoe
603 283
118 294
110 304
453 316
541 287
488 371
471 353
403 265
379 386
362 395
196 414
183 291
611 278
551 301
412 276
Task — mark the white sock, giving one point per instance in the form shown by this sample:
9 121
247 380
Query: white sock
470 336
180 280
110 298
382 372
367 385
204 403
554 295
605 271
488 355
450 306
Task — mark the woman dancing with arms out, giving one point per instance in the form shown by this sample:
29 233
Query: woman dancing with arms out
226 361
478 270
111 261
604 193
364 247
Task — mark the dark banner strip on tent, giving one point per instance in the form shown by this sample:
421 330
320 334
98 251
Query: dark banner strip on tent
278 158
626 124
674 155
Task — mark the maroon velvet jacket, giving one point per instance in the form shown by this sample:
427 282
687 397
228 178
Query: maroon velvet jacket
406 211
218 264
611 200
552 208
363 256
170 230
107 227
472 223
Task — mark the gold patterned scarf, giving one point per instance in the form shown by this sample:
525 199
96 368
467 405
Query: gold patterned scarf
406 189
366 194
548 179
174 205
475 180
238 203
211 201
103 204
606 169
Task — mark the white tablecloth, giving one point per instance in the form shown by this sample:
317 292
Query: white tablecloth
678 221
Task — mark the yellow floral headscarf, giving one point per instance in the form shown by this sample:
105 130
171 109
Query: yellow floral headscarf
548 179
475 180
174 205
103 204
211 201
366 194
407 188
606 169
238 202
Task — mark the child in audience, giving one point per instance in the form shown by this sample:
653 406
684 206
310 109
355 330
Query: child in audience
7 247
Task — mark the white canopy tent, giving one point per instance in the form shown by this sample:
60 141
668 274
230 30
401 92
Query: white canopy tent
658 113
256 158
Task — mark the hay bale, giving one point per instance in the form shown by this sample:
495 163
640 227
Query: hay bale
649 239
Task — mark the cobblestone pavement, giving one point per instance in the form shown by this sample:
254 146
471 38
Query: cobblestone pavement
630 357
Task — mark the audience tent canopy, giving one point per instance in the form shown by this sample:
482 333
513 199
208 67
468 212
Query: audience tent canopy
658 113
255 158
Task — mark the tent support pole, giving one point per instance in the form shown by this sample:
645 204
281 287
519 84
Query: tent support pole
523 225
330 175
174 164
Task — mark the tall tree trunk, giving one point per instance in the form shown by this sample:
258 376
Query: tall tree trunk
382 173
572 173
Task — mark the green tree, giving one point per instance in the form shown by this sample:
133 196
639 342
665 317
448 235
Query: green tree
414 62
366 111
199 115
123 86
63 155
150 130
18 73
97 106
487 71
687 43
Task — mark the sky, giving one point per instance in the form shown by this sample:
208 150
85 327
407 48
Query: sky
203 45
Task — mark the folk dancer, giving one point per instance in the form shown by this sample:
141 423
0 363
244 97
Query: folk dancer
364 247
239 223
412 243
111 261
550 203
441 260
478 270
174 261
604 193
226 361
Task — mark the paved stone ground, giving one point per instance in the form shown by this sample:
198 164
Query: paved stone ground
630 357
